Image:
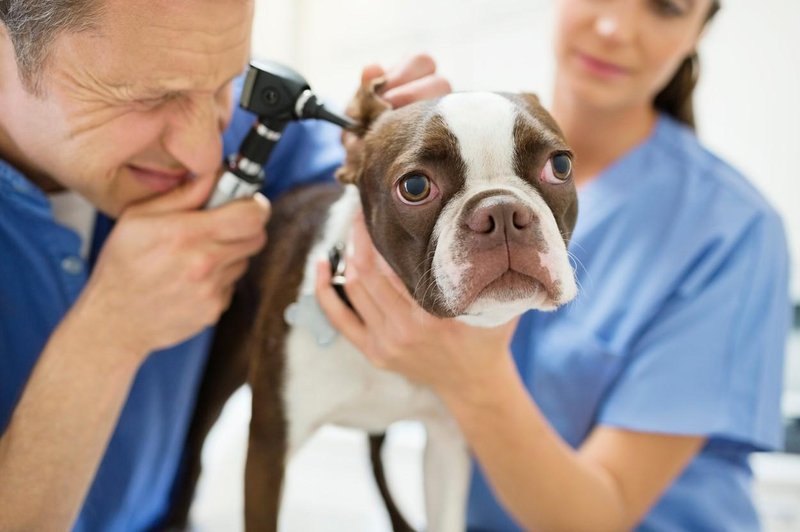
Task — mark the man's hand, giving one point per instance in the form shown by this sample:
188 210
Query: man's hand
168 269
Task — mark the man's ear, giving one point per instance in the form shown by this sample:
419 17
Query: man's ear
364 109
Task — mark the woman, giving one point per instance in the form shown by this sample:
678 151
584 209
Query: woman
638 404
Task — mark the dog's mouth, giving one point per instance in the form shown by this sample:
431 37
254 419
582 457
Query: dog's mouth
510 286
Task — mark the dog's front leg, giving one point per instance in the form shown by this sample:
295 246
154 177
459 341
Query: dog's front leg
447 474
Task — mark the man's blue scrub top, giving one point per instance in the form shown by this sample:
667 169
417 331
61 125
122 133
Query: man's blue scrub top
679 327
41 276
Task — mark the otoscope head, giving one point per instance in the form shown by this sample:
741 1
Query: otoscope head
272 90
278 94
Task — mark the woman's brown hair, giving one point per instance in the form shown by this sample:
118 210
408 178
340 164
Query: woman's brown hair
676 98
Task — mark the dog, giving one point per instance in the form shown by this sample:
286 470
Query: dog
470 197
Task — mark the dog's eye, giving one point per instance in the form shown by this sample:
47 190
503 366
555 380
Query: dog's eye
558 169
415 188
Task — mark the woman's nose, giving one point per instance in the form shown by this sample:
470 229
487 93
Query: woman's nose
616 21
606 25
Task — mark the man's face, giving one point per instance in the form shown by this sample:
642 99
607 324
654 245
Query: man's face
134 109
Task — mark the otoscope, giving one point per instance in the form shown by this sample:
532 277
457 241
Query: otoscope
277 95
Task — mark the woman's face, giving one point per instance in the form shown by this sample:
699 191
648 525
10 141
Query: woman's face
621 53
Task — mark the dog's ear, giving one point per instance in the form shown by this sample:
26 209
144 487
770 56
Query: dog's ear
534 106
531 98
531 101
364 109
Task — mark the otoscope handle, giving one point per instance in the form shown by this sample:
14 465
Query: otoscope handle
231 187
245 173
277 95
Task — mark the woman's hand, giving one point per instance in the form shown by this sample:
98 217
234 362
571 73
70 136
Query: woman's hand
407 82
396 334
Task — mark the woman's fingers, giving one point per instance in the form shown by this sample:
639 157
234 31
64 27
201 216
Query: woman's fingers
340 315
415 67
372 272
412 80
424 88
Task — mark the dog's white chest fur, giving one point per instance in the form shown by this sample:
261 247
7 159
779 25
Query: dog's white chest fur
335 383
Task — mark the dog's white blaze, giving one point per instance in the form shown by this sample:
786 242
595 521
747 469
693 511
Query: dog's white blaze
484 124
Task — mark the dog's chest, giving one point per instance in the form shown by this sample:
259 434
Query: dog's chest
336 383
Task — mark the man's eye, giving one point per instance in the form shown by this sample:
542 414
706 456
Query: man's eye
153 102
147 104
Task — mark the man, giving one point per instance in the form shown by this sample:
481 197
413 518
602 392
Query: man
123 102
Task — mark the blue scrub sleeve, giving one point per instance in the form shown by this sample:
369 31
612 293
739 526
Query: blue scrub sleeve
711 361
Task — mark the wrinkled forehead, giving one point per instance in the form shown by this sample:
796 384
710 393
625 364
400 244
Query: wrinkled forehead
163 45
481 133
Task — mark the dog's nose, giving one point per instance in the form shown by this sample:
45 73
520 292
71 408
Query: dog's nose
500 218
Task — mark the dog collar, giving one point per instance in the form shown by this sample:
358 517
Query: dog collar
306 312
338 267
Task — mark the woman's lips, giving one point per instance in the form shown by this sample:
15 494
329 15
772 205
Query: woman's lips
158 180
601 68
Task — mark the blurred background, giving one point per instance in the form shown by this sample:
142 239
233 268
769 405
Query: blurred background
748 111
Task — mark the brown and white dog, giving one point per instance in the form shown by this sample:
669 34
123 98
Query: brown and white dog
470 199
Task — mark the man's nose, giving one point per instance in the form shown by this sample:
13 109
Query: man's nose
194 134
495 220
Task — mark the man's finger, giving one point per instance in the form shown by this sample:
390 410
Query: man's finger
233 272
232 252
242 219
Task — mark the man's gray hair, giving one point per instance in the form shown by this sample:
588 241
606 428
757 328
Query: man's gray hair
32 25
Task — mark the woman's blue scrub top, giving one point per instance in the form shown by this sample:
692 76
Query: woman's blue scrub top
679 327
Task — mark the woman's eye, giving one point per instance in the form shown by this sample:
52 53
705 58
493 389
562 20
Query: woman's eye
669 8
414 188
558 169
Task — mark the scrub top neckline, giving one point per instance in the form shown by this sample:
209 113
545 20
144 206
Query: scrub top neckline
617 182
